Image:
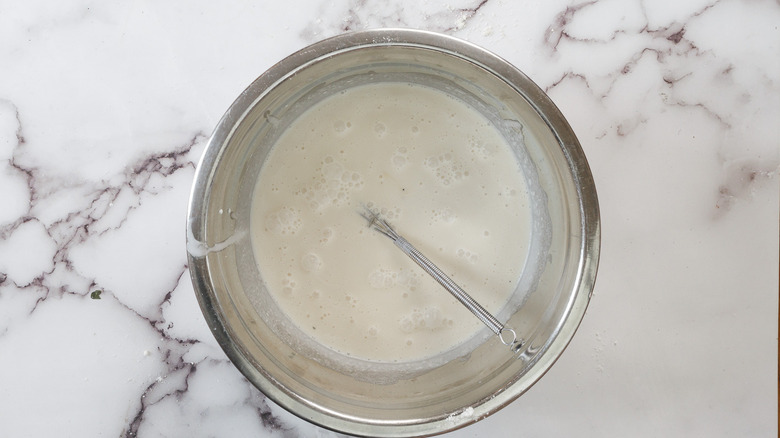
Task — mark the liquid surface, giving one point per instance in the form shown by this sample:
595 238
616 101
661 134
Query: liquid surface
438 172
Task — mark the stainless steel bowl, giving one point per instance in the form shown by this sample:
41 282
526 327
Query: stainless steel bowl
391 401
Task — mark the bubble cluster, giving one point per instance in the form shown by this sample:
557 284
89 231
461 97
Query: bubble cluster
445 215
351 301
467 255
311 263
340 126
326 235
446 168
383 278
479 149
400 158
424 319
386 213
288 284
331 186
285 221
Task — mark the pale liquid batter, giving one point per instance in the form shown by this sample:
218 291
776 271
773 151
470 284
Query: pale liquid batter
438 171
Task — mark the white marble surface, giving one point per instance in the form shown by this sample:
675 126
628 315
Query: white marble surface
105 108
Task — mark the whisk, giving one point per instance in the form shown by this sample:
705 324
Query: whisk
507 335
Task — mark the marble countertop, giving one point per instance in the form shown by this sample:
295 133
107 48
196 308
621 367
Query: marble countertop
105 109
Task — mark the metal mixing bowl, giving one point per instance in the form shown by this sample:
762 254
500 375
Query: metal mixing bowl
389 400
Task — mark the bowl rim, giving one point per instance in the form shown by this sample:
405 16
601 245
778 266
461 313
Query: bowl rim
579 169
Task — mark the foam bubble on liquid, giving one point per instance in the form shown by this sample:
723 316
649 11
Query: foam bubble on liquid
326 235
445 215
479 149
388 213
447 168
332 185
311 263
340 126
380 129
409 280
288 284
467 255
351 301
382 278
428 318
285 221
400 158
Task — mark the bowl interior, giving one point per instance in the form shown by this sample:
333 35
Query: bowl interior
458 386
